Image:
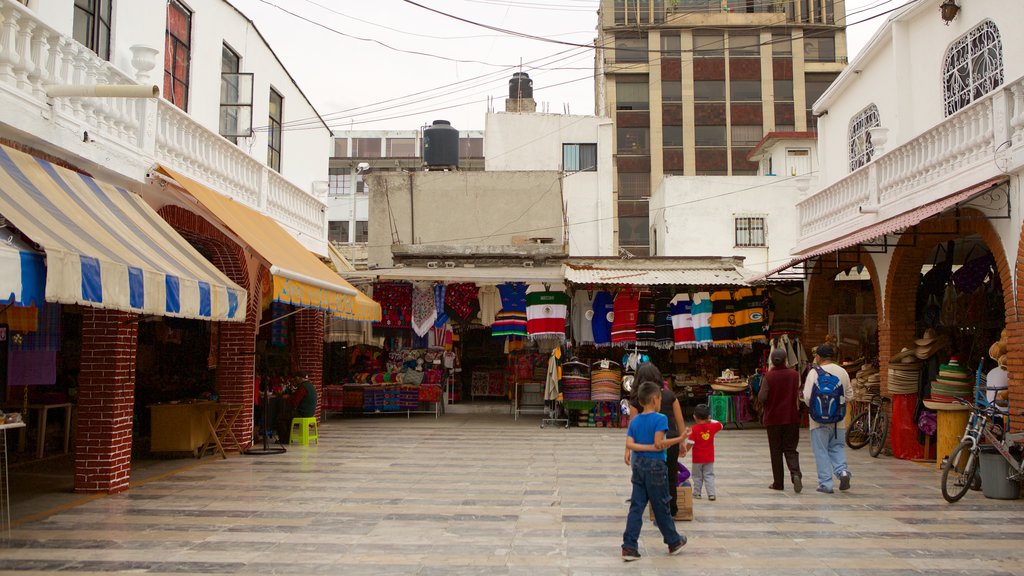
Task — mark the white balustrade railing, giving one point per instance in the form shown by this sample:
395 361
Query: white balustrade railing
963 141
33 55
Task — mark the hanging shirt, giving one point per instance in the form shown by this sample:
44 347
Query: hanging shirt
582 313
511 321
645 319
682 321
601 321
490 304
627 307
723 317
749 315
545 314
701 312
442 316
663 331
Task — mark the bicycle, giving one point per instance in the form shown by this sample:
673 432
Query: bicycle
960 469
869 427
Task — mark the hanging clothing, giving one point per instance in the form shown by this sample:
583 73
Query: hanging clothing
545 314
582 316
460 301
440 337
645 319
442 316
423 311
723 317
663 331
601 321
490 304
749 315
627 307
682 321
701 312
511 321
553 375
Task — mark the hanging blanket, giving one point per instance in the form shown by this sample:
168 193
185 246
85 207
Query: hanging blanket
627 307
645 319
423 311
701 313
442 316
601 322
582 315
545 314
682 321
395 303
511 321
461 302
663 332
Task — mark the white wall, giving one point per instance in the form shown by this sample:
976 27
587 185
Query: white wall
347 208
695 216
900 71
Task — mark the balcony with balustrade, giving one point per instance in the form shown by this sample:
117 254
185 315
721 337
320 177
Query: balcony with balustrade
982 141
125 137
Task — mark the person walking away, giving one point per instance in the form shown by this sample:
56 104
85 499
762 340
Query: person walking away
826 391
780 396
703 450
646 444
648 372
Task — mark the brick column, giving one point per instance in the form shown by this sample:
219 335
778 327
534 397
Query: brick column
236 372
106 401
309 338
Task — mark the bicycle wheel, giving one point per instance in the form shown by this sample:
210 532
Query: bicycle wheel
857 434
958 472
878 433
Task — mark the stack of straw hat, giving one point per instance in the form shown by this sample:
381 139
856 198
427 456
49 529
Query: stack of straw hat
953 382
904 372
929 343
729 381
998 349
866 382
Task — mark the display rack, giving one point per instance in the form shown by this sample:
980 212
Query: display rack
526 400
729 407
390 399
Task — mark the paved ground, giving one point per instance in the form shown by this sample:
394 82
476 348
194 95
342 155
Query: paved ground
485 495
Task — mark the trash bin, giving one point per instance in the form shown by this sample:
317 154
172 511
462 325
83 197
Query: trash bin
994 470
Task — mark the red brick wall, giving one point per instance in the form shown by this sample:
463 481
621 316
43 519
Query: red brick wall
106 401
782 68
709 69
671 69
672 114
628 119
819 304
745 68
672 159
309 340
747 114
633 164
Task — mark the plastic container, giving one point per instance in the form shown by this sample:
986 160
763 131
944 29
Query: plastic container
994 470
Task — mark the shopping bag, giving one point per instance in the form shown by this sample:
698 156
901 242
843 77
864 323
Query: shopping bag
684 500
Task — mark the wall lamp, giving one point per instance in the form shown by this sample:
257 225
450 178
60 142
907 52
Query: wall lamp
949 9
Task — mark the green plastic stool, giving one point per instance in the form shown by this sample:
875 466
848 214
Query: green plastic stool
304 436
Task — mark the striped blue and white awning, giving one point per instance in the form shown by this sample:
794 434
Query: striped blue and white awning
106 247
22 272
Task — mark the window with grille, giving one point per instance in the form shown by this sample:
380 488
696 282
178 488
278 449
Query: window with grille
579 157
749 231
337 231
274 130
973 66
339 182
634 186
177 53
362 231
634 141
91 26
861 149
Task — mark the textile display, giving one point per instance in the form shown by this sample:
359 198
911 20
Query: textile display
664 334
440 337
682 321
442 316
332 398
749 315
32 367
423 310
700 309
627 307
395 300
511 321
47 335
723 317
605 382
279 329
490 304
645 319
582 317
21 318
545 314
601 321
903 428
461 302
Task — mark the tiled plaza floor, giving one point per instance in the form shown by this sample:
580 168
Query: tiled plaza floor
486 495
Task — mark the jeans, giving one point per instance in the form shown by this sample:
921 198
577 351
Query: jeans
829 453
672 467
703 475
782 442
650 482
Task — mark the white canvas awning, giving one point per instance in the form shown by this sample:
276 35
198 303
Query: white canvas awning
658 271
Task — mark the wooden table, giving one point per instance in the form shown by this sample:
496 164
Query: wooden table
194 427
42 412
220 418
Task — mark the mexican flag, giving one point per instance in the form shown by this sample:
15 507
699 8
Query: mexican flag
545 314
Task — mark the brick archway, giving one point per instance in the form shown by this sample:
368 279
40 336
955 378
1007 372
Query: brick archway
818 303
236 358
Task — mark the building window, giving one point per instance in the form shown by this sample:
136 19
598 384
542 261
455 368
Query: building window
401 147
749 231
782 44
861 149
745 90
92 25
632 11
579 157
235 97
471 147
633 93
671 91
670 45
366 147
634 186
274 130
362 231
708 45
177 53
973 66
744 44
337 231
634 141
709 135
339 182
819 48
746 136
672 136
341 147
631 49
709 90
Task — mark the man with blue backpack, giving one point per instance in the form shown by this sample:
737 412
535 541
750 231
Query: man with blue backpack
826 391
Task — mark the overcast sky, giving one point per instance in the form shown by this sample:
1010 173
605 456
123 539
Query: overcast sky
412 66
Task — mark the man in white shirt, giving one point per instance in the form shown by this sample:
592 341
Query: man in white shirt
829 440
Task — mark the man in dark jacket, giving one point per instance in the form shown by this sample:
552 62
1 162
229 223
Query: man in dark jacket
304 397
780 393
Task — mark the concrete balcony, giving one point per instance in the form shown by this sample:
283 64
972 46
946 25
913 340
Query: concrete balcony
128 136
982 141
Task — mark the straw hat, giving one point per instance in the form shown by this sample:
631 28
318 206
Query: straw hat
903 354
927 338
1003 362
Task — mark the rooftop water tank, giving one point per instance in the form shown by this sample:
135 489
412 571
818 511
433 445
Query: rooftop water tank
520 86
441 145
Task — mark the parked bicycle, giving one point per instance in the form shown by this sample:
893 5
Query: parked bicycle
869 427
960 469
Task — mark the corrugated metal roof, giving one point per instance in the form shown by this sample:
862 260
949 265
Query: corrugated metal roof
494 275
731 276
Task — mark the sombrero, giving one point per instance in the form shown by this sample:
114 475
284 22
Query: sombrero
927 338
905 353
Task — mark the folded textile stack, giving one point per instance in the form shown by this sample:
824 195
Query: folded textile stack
729 381
904 372
953 382
605 384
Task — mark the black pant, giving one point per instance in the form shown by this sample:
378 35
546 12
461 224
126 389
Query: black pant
782 441
672 463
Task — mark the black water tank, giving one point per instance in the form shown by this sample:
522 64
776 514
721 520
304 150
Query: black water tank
520 86
441 144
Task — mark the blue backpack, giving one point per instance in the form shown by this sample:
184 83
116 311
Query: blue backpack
828 400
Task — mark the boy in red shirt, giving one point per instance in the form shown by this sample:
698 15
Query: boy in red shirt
702 434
